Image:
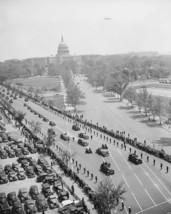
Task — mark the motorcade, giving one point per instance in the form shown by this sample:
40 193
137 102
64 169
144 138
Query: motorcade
3 178
53 201
83 135
65 137
30 172
34 191
30 207
17 208
52 123
5 208
102 152
41 203
105 168
134 159
82 142
11 197
12 176
3 198
23 195
21 174
3 154
76 127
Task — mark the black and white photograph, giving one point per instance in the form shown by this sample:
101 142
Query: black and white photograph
85 106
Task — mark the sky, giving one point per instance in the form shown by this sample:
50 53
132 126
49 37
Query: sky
33 28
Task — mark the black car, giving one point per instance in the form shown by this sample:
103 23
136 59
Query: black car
7 168
53 201
63 195
102 152
41 177
65 137
105 168
25 151
58 186
45 119
83 135
23 194
3 154
12 176
41 203
30 207
11 153
34 191
15 166
24 163
21 174
38 169
50 179
3 198
134 159
17 208
5 208
76 127
82 142
46 190
3 178
30 172
52 123
32 150
18 152
11 197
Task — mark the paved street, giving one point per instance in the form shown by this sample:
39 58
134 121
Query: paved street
149 188
105 109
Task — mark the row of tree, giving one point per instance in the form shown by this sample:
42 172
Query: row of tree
153 105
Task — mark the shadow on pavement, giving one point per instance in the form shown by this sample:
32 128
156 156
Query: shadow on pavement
125 107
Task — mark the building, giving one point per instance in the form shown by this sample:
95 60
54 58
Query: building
63 52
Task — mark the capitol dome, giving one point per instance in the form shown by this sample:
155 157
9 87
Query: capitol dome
62 48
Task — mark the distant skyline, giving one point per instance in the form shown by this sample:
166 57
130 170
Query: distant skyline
33 28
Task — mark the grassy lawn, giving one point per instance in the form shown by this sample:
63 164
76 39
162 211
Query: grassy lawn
39 82
58 100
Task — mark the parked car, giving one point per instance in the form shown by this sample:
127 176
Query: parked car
76 127
5 208
3 154
25 151
12 176
3 198
38 169
41 203
41 177
11 153
82 142
30 172
21 174
53 201
7 168
50 179
3 178
83 135
45 119
18 152
30 207
32 150
34 191
23 194
46 190
24 163
11 197
65 137
47 169
58 186
63 195
15 166
17 208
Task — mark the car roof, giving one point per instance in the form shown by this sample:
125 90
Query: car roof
45 185
2 194
23 189
33 187
17 203
40 196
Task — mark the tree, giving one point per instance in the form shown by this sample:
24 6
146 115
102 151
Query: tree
129 94
159 107
107 194
74 95
145 98
51 102
19 116
35 127
50 137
